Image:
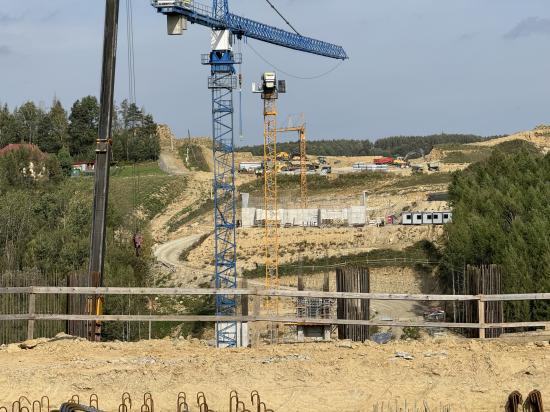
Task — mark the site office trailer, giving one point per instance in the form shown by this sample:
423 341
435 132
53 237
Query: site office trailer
426 218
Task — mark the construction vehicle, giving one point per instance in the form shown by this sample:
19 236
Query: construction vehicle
384 161
283 156
426 167
401 163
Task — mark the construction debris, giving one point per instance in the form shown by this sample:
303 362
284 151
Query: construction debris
404 355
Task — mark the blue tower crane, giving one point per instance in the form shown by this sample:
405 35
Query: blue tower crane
222 81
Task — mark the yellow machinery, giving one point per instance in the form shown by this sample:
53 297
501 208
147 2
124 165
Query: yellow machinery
271 219
284 156
270 89
301 129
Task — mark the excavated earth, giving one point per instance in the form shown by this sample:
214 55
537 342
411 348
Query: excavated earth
470 375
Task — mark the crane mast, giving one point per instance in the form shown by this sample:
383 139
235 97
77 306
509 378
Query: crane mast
303 169
301 129
270 94
222 82
226 26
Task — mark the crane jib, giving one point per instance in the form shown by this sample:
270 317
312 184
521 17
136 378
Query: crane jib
244 27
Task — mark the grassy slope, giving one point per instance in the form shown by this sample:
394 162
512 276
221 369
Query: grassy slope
140 169
196 157
154 189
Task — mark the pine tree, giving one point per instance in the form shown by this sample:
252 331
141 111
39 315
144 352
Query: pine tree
500 216
28 118
83 127
53 132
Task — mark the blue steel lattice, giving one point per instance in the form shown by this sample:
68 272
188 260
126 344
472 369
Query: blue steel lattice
219 17
222 82
221 9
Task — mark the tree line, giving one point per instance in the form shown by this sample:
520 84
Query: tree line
73 133
388 146
501 216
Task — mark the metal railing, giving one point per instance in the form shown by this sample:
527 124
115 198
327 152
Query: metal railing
198 8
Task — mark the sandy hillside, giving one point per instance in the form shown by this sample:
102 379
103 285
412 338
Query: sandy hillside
319 243
470 375
540 137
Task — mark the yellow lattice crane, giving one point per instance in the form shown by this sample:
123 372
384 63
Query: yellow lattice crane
270 88
301 129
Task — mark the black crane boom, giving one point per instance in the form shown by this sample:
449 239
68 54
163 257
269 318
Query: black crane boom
103 158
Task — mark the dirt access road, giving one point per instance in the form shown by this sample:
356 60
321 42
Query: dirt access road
169 253
183 273
169 246
344 377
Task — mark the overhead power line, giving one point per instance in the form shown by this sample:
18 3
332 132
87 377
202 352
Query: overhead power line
314 77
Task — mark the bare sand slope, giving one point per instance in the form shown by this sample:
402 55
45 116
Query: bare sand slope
470 375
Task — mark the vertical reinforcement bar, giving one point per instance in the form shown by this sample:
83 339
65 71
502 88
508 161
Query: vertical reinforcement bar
103 157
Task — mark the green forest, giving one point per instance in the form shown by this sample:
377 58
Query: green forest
388 146
73 133
45 223
501 215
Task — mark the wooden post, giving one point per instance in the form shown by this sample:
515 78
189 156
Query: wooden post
256 327
244 299
30 322
244 327
481 316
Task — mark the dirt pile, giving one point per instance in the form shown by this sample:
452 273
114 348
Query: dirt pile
166 136
340 377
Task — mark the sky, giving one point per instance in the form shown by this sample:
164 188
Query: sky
416 66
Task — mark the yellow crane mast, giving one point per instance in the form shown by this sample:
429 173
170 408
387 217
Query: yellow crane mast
301 129
270 89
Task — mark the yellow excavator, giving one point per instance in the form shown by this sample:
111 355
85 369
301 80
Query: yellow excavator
283 156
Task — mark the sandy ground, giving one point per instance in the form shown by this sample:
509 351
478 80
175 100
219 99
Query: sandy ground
344 377
296 243
539 137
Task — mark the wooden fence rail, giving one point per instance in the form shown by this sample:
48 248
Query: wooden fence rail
52 290
31 316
